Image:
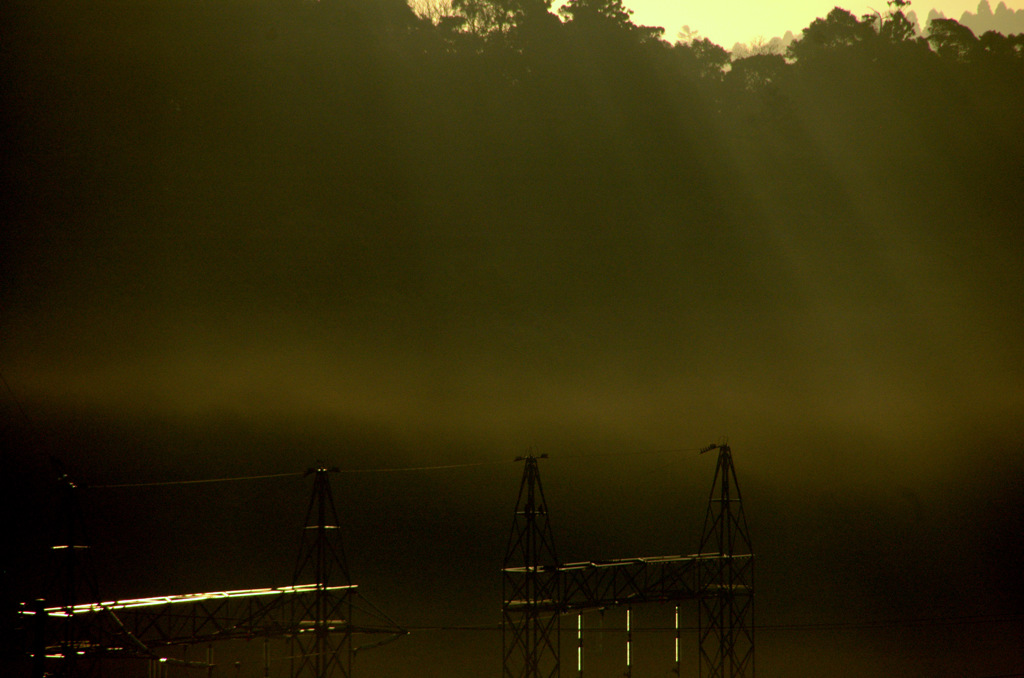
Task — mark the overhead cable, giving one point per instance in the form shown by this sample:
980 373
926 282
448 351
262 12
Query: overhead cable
384 469
195 482
395 469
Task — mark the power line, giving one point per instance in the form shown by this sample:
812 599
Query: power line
890 623
383 469
631 453
393 469
811 626
194 482
470 627
403 469
14 398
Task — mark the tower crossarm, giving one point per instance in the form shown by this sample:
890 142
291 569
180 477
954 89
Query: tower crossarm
599 584
609 583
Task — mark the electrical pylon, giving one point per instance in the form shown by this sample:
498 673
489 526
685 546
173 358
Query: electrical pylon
73 581
725 579
531 628
323 646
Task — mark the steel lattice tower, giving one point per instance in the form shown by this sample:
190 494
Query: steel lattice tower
323 647
73 582
726 580
530 585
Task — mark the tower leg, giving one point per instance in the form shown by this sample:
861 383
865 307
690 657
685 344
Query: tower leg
531 619
323 647
726 579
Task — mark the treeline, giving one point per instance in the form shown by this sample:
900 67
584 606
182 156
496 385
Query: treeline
497 111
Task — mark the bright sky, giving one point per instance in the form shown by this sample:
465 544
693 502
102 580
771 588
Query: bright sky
727 22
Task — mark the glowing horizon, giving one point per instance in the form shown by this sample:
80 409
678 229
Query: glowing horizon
742 21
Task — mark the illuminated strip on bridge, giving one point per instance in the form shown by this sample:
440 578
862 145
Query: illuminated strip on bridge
608 583
186 598
139 626
617 562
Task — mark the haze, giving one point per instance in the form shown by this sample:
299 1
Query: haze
242 237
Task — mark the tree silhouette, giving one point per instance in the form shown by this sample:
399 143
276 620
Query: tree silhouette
840 28
702 58
1002 47
894 26
951 39
605 16
754 73
499 17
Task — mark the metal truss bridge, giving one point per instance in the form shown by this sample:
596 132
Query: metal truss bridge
539 590
324 620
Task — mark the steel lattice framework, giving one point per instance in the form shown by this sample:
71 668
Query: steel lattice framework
73 580
319 618
324 647
726 603
538 589
142 626
531 586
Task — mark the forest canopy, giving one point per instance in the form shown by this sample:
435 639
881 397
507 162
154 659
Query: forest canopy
497 118
446 109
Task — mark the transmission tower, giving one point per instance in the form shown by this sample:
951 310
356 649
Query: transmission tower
322 648
73 581
530 585
725 579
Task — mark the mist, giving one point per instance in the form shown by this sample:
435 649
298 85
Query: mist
242 239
